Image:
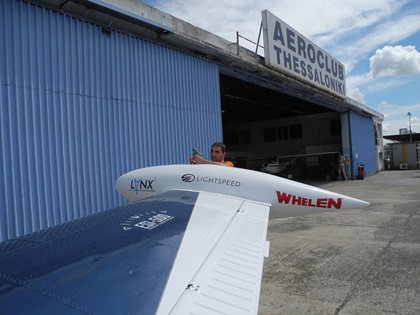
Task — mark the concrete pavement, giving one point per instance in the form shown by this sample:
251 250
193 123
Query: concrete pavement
351 262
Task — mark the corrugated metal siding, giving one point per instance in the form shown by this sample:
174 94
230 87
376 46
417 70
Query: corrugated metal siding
80 108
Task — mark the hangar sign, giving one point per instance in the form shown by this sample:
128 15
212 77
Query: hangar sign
287 50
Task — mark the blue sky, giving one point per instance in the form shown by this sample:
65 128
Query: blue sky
377 40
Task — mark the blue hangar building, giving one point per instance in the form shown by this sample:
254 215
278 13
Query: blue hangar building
92 89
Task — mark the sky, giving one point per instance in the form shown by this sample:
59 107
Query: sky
378 41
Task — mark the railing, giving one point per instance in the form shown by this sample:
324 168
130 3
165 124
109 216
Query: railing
257 44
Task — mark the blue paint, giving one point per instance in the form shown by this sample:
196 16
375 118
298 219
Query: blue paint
107 263
362 135
79 108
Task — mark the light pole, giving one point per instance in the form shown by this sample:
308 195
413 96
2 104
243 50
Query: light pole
409 123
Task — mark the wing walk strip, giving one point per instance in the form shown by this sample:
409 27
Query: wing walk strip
229 280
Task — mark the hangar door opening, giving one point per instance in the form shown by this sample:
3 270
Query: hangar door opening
261 124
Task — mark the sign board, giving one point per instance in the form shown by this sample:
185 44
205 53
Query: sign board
287 50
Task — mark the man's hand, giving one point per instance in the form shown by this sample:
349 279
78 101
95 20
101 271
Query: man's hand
197 159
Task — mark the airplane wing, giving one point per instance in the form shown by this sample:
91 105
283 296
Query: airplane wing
278 166
178 252
307 155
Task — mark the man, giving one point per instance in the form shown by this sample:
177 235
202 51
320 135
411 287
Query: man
341 167
217 156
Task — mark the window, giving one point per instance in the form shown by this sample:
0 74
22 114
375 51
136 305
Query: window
282 133
237 137
295 131
376 134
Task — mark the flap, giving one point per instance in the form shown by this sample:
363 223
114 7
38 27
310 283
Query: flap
223 251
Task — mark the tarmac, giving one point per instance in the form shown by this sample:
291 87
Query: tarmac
364 261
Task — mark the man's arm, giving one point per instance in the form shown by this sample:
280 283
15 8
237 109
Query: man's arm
198 159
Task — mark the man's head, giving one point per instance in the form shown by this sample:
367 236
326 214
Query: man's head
217 152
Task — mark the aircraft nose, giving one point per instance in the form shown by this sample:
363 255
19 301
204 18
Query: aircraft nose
122 185
353 203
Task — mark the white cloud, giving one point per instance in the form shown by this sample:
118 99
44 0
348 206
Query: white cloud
396 117
395 61
322 21
356 94
360 85
386 127
394 110
375 85
415 122
362 42
385 106
353 84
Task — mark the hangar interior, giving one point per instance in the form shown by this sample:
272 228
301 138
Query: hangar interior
260 124
245 101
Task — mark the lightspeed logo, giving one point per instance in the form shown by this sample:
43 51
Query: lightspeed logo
188 178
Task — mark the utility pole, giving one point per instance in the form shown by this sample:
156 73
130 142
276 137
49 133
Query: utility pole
409 123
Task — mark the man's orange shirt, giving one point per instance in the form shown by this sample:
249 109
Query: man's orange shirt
228 163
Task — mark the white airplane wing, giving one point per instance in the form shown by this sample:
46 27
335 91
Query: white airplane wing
219 264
